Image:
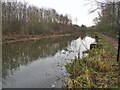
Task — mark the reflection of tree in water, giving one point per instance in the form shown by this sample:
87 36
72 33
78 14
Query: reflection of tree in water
22 53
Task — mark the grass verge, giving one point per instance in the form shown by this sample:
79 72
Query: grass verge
98 70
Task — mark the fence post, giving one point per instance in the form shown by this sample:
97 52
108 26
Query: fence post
118 55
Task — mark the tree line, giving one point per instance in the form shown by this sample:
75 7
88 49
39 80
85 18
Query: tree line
107 22
23 19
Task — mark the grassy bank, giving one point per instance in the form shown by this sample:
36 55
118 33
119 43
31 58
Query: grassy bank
17 38
98 70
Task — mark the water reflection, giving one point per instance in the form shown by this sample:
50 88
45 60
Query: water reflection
23 53
40 63
77 46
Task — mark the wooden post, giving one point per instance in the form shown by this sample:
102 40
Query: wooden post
118 55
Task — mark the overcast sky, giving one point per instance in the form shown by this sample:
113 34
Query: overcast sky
75 8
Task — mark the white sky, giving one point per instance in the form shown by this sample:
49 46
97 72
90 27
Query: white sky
75 8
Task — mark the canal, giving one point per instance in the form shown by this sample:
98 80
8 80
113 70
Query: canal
41 63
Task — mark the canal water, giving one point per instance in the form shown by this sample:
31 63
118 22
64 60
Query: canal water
41 63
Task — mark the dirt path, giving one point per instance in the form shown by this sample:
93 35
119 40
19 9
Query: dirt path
113 41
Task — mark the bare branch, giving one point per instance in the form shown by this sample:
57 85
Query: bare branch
94 10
